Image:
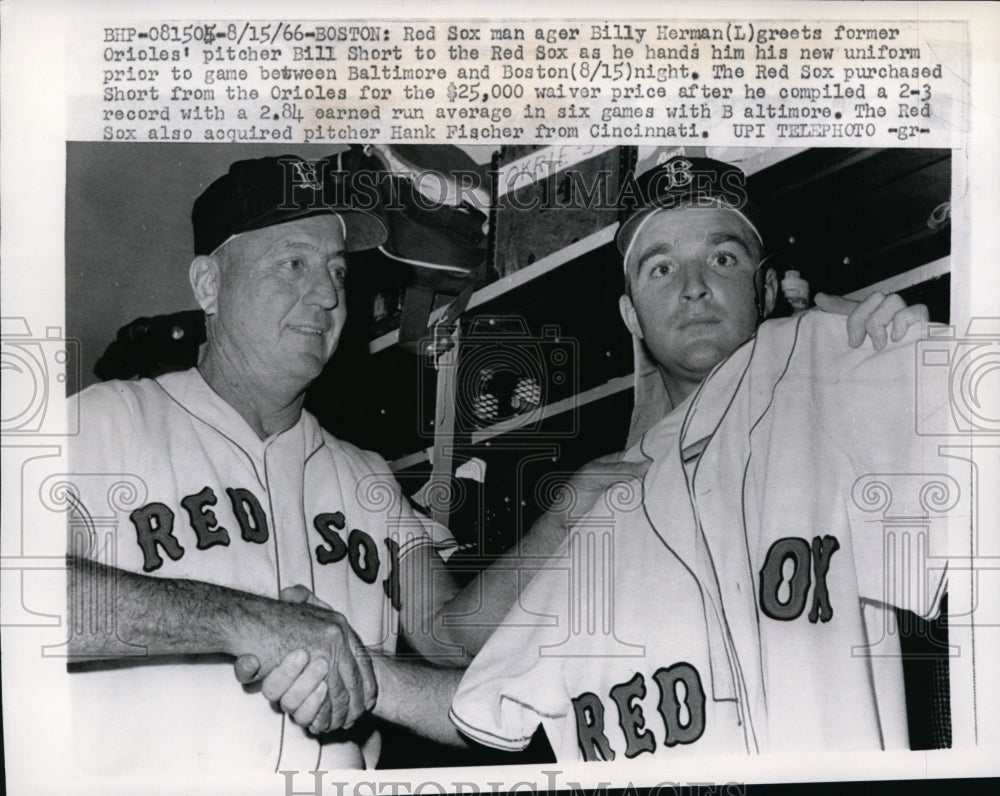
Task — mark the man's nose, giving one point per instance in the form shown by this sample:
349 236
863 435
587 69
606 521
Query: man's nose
694 287
323 290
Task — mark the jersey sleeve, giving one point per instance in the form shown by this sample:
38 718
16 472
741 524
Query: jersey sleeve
511 686
102 487
905 499
430 532
379 492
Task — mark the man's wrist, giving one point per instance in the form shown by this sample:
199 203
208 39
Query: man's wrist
251 627
381 670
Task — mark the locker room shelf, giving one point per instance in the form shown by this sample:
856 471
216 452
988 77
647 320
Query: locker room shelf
515 280
611 387
922 273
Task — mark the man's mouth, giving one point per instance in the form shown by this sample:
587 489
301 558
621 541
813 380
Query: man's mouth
307 329
701 320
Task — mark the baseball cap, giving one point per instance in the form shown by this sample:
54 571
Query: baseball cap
683 182
438 235
266 191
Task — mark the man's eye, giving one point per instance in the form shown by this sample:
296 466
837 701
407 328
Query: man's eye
293 263
339 274
724 260
660 268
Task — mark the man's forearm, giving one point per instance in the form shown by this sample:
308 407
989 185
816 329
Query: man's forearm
471 616
418 697
121 615
116 614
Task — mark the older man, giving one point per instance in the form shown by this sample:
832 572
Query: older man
237 496
700 638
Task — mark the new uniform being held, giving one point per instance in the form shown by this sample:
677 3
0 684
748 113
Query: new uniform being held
747 573
741 607
680 618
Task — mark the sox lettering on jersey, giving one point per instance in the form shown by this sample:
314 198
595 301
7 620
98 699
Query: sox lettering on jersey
154 527
681 708
785 578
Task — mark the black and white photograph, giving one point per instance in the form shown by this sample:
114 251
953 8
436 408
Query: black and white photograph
596 451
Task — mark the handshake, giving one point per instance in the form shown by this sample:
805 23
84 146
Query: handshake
313 665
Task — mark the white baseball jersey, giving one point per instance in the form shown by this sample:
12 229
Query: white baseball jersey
731 611
174 483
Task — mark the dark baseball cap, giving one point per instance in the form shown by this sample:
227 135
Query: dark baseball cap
438 234
261 193
683 182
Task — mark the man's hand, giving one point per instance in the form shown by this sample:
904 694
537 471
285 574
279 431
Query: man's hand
311 637
873 315
299 686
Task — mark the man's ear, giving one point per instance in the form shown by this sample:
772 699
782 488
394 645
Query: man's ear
770 291
205 275
627 309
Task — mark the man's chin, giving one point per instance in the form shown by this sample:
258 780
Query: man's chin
703 355
305 367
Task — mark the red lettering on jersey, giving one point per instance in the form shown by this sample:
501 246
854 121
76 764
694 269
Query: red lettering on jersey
590 728
637 738
682 703
823 550
391 584
360 549
773 581
327 525
681 706
249 514
772 578
154 525
362 552
203 520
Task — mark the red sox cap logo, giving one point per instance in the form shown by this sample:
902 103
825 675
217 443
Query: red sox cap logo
676 174
305 174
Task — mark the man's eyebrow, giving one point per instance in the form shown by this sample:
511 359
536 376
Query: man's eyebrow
285 245
297 244
729 237
713 239
659 248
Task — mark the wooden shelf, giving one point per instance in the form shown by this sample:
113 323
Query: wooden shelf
914 276
612 387
515 280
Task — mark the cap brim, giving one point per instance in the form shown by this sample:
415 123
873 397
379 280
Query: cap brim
432 247
628 227
365 230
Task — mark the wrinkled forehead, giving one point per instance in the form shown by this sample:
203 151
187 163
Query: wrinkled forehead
691 228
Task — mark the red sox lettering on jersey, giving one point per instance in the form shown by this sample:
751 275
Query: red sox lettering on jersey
792 564
777 582
750 571
636 686
220 505
155 530
680 707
